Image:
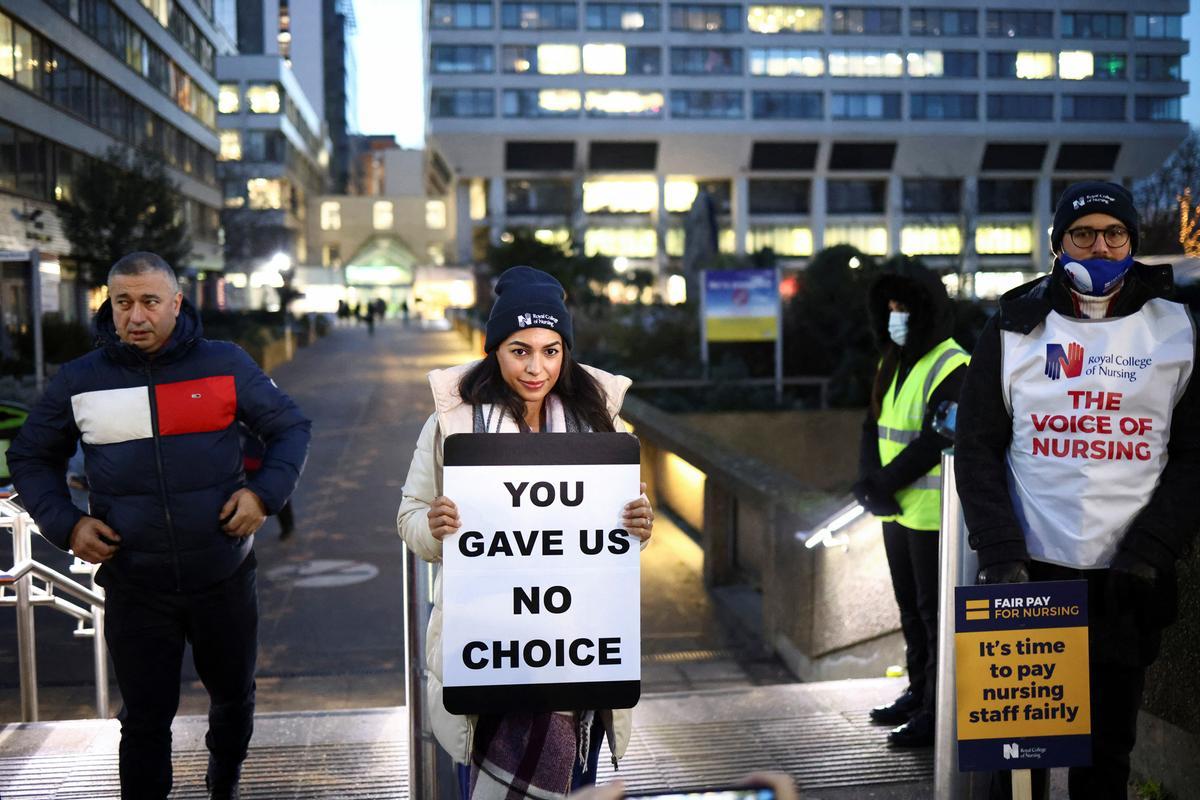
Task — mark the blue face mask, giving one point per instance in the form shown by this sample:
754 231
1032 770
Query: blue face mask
898 327
1096 276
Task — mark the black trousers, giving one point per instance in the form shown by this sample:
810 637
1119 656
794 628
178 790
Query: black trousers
913 560
1122 643
146 632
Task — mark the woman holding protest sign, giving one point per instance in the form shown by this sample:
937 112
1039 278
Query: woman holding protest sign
528 382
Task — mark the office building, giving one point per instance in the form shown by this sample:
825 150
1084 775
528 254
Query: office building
77 78
939 130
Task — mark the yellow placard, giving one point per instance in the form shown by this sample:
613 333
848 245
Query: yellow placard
741 329
1018 683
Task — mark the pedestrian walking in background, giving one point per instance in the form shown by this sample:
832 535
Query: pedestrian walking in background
1114 509
171 516
899 481
529 382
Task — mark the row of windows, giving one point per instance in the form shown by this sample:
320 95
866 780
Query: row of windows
63 81
991 239
114 31
266 98
554 196
729 104
849 20
39 168
174 19
619 59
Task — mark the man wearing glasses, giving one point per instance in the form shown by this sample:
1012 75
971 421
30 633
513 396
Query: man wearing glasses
1111 492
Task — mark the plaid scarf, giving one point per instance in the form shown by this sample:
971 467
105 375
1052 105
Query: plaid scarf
523 756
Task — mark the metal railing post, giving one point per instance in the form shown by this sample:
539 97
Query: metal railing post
424 779
99 655
956 566
26 648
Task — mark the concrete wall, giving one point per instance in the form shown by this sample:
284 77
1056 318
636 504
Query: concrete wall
819 448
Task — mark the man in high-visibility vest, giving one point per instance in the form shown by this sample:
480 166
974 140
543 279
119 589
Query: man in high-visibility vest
1110 496
900 472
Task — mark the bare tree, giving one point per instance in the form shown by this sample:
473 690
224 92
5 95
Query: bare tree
1158 197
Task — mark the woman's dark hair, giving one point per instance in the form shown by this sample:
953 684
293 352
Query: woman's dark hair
581 395
883 378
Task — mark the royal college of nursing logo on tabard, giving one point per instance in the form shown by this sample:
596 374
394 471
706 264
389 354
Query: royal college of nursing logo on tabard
1064 362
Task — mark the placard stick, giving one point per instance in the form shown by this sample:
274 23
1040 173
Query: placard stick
1022 784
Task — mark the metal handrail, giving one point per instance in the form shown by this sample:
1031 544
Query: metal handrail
20 590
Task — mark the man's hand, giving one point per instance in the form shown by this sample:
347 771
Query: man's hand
1004 572
1132 582
242 514
93 541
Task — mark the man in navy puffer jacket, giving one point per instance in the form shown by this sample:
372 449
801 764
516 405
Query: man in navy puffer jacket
172 514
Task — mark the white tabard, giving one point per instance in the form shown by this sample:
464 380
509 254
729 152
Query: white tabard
1091 402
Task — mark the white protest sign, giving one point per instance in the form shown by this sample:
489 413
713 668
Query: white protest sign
541 585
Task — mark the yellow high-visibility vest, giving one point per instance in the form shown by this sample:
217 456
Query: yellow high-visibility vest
901 416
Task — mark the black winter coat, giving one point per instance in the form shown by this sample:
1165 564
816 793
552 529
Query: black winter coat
161 451
1166 524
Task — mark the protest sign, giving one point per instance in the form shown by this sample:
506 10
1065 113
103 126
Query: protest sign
1021 658
541 584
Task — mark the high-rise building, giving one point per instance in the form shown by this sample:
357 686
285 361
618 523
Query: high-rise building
317 32
939 130
77 78
274 159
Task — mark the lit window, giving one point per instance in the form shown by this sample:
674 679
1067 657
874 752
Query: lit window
560 237
673 242
930 240
1035 66
1075 65
620 197
437 254
784 241
477 199
263 99
331 215
679 194
382 215
435 214
865 64
990 285
785 19
780 61
1014 239
559 101
621 103
229 101
264 193
604 59
558 59
926 64
870 239
627 242
231 146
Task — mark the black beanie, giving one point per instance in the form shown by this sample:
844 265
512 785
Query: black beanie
1094 197
527 298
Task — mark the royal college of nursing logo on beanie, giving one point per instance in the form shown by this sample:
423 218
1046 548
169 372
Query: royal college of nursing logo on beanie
1087 199
529 320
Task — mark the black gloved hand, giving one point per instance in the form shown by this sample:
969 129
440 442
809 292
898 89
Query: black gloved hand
1132 581
1003 572
874 499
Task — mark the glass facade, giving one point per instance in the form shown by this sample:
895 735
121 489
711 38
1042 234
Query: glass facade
943 22
865 105
866 21
788 105
949 105
706 18
623 17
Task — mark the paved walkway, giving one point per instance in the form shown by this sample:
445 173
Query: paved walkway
332 616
